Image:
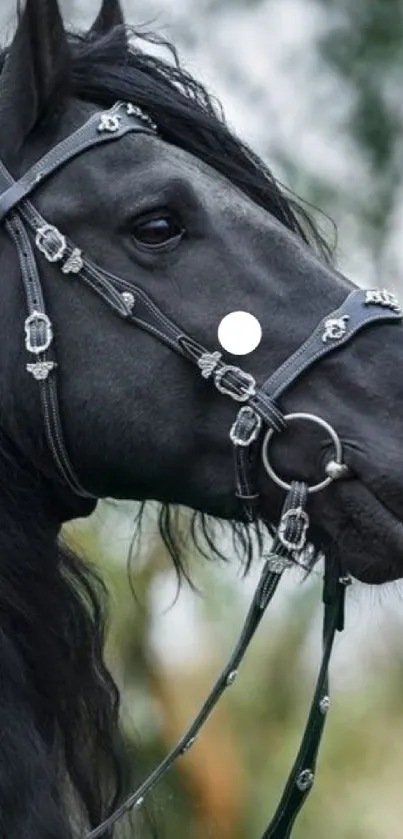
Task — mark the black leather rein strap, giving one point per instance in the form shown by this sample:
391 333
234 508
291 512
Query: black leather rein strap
301 777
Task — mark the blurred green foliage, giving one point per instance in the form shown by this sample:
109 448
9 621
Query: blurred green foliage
363 45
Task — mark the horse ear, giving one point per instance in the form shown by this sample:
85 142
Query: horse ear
110 15
35 70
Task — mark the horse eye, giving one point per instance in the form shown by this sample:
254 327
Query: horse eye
157 231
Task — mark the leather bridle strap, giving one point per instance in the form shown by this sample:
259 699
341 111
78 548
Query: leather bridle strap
301 777
112 125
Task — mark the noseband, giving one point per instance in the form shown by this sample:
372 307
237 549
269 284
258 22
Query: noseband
258 413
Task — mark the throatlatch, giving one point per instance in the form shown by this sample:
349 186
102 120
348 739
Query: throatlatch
259 414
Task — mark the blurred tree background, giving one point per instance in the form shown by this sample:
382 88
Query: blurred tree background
315 87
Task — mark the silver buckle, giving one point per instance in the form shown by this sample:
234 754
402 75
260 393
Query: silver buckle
38 319
51 242
303 518
246 381
235 438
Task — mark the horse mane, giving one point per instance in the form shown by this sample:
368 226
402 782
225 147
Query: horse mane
57 699
119 65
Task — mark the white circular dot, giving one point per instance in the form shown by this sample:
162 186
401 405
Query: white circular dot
239 333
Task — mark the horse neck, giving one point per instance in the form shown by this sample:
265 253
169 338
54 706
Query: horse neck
28 561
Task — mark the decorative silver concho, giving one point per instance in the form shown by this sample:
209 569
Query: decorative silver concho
109 122
382 297
129 300
208 362
335 328
136 111
74 263
278 564
41 369
324 704
305 780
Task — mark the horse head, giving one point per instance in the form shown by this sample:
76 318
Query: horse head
140 241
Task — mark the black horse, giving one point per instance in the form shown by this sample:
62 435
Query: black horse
169 220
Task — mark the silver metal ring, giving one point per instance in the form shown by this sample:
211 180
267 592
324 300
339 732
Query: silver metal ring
338 451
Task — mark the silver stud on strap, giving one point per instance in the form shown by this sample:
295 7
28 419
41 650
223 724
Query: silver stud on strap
324 704
109 122
335 329
136 111
231 677
74 263
208 362
305 780
188 745
277 564
41 369
138 803
382 297
129 300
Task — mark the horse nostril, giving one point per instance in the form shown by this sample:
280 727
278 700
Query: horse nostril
337 471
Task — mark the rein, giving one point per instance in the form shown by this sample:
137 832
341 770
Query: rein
259 413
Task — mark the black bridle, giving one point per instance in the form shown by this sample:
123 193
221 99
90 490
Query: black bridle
259 410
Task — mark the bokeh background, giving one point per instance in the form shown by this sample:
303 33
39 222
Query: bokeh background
315 86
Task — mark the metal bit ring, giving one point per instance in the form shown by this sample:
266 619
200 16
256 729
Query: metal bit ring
337 459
